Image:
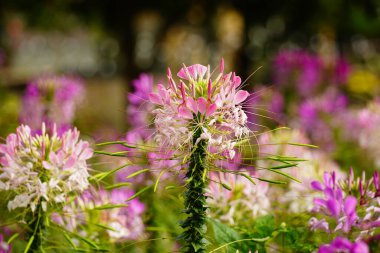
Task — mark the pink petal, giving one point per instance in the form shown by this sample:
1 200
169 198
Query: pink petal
350 205
333 206
195 71
240 96
211 109
192 105
70 163
202 105
154 98
317 186
163 93
236 81
184 112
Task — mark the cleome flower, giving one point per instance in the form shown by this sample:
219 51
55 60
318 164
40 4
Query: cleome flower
124 222
198 101
53 100
42 169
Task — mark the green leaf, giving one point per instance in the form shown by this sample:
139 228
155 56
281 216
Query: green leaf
110 206
158 179
302 145
89 242
69 240
226 186
271 181
102 175
284 166
285 175
230 239
119 154
137 173
224 234
139 193
117 185
14 236
248 177
29 244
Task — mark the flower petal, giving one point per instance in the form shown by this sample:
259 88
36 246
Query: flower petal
211 109
195 71
202 105
184 112
240 96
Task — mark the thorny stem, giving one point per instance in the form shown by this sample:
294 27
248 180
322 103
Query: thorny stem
195 200
37 227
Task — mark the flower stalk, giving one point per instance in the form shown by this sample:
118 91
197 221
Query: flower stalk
37 227
195 200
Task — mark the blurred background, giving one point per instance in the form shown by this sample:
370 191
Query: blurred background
109 43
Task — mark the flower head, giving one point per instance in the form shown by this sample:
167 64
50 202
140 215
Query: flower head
341 244
198 101
43 168
125 222
244 201
53 100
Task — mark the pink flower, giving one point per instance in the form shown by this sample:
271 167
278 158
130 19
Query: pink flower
215 105
53 100
340 244
43 168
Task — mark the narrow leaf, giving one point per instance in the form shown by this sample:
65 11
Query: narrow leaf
117 185
248 177
283 166
14 236
302 144
158 179
285 175
139 193
109 206
226 186
29 244
271 181
137 173
69 240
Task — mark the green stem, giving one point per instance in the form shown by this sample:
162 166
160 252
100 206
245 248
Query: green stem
195 200
37 227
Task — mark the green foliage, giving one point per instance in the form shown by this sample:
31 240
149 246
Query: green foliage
230 240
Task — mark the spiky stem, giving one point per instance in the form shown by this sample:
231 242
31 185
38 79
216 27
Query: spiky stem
195 199
37 227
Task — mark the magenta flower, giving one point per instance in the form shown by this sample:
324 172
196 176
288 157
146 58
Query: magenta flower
43 168
126 221
299 67
53 100
213 105
334 204
340 244
139 108
4 246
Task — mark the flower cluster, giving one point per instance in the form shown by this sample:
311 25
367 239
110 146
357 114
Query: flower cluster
43 168
297 195
139 108
341 244
307 70
200 102
315 116
242 201
124 222
362 127
53 100
349 207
